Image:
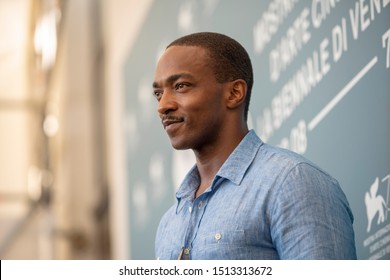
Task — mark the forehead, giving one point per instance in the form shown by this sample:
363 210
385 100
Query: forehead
183 59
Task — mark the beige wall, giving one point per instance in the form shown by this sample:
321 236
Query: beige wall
81 164
64 227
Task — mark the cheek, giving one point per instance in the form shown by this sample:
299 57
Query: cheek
205 116
203 113
205 102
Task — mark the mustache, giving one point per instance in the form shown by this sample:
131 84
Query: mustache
171 118
167 120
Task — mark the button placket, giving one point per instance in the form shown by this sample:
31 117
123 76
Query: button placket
196 212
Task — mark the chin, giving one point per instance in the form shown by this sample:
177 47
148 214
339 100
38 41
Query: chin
178 144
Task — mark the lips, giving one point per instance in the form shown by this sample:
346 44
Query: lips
170 122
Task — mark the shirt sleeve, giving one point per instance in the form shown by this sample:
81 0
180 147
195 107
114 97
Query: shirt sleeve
311 217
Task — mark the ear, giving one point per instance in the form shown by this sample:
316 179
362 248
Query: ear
236 93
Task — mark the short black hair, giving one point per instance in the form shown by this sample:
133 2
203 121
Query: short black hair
228 59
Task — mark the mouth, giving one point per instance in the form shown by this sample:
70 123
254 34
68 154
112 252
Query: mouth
170 123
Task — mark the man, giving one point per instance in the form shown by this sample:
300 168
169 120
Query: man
243 199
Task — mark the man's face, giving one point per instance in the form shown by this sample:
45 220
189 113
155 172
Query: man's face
190 100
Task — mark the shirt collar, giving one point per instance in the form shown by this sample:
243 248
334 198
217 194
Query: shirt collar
233 169
190 184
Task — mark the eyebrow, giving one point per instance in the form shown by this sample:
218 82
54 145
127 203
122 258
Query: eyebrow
173 78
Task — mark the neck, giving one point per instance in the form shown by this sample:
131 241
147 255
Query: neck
210 159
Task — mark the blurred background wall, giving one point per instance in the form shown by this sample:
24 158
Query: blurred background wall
60 97
86 171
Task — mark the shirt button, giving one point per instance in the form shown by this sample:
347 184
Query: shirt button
186 251
217 236
200 204
190 209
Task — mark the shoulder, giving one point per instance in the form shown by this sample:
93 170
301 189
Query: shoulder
283 163
297 172
301 184
270 157
281 156
294 177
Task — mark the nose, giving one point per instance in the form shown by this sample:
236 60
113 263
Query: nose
167 103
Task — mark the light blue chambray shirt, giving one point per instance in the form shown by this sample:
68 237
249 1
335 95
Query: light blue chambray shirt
264 203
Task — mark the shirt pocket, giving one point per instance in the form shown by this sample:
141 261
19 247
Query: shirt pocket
223 237
226 244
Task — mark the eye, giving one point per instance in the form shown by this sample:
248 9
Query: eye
157 94
181 86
